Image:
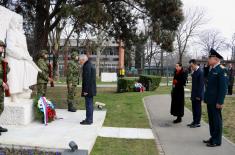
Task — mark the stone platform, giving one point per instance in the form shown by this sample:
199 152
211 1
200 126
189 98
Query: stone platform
20 113
57 134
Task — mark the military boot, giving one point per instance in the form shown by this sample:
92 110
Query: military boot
71 108
3 129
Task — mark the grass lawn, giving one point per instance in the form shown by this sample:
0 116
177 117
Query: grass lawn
123 109
167 89
112 146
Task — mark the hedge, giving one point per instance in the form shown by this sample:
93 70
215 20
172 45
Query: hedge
150 82
126 84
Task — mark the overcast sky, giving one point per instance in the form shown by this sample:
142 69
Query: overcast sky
221 14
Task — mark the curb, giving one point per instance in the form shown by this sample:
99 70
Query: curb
159 145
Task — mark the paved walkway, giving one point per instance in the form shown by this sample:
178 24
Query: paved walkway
179 139
126 133
57 134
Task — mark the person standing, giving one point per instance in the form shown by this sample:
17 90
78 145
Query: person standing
3 86
230 79
197 93
43 76
88 87
206 70
216 90
72 80
177 94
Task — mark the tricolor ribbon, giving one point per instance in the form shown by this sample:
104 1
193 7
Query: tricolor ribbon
42 104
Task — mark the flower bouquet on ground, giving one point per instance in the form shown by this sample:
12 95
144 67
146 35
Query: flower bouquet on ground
44 110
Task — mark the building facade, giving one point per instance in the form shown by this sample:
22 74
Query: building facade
109 56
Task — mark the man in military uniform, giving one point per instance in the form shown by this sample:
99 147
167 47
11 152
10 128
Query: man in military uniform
216 90
43 76
3 86
72 80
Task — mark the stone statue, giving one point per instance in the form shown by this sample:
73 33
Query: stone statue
5 18
18 109
23 73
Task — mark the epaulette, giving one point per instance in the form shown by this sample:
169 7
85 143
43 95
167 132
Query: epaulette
222 66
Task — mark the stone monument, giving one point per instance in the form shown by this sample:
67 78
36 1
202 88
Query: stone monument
18 109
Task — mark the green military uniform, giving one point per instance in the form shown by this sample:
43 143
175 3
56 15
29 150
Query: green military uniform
72 80
43 76
2 44
1 81
216 89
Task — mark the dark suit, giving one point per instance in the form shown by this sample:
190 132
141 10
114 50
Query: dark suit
197 94
230 81
89 86
216 90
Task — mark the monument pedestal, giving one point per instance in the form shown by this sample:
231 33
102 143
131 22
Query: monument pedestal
20 113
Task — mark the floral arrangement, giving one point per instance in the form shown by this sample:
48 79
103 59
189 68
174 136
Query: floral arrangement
44 110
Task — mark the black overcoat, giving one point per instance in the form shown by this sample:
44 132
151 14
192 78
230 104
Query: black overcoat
88 79
177 94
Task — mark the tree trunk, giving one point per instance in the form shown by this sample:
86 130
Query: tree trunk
180 58
65 59
55 65
55 60
100 38
162 61
142 63
42 25
56 49
98 54
138 56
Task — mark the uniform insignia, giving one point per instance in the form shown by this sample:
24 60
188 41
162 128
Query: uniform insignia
225 74
215 73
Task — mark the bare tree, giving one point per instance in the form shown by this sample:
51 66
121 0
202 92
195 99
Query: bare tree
64 27
231 46
188 29
54 39
212 39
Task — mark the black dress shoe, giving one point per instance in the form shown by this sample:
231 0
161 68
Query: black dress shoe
85 123
178 120
207 141
212 145
190 124
3 129
195 126
72 110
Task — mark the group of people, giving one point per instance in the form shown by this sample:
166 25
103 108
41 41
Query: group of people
210 86
72 80
88 81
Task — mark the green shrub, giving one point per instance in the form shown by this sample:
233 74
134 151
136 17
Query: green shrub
126 84
150 82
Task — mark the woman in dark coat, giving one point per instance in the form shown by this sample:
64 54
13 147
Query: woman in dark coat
177 94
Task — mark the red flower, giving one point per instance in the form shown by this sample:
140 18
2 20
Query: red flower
50 113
